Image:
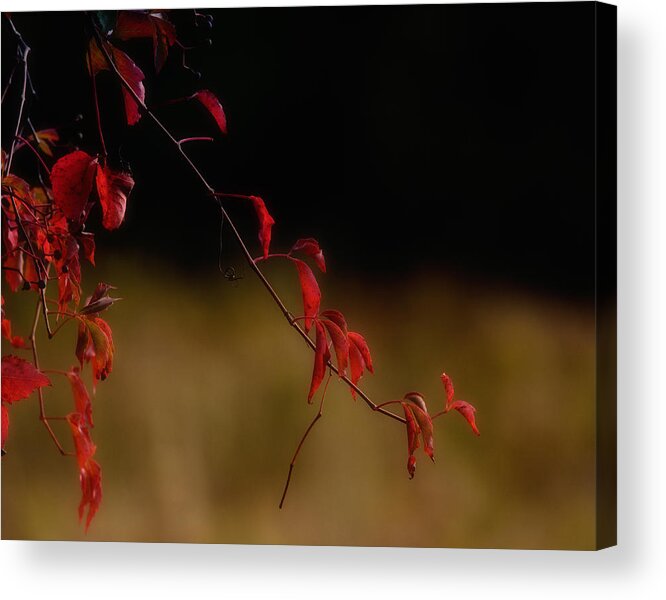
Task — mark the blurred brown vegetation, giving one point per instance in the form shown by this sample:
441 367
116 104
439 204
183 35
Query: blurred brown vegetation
197 423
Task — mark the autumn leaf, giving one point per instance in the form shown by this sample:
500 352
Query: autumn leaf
113 188
81 397
15 340
213 106
448 388
47 138
72 179
340 344
309 290
14 266
310 247
266 223
90 473
99 301
130 72
322 356
467 411
337 317
139 24
95 345
359 341
20 378
418 422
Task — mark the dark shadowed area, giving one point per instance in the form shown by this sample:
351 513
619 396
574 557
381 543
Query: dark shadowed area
442 156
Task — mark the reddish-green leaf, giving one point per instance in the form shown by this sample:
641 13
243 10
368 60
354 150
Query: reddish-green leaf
310 292
359 341
310 247
340 344
81 397
72 178
20 378
467 411
266 223
322 356
113 188
213 106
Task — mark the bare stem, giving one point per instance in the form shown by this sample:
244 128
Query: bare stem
300 444
96 100
239 239
35 357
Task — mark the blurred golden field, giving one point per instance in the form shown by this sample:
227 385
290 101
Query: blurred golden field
197 423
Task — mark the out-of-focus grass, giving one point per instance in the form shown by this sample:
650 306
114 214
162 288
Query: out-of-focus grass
197 423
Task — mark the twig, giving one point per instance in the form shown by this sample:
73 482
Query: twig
300 444
35 357
211 192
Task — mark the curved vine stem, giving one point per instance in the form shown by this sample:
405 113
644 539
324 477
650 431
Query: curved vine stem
239 239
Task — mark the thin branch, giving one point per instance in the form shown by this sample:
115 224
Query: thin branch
35 357
213 194
300 444
96 100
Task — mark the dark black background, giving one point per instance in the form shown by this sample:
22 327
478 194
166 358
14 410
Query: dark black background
453 138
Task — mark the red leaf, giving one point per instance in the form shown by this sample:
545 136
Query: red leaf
340 344
358 340
81 396
5 426
310 291
90 474
322 356
310 246
20 379
14 263
87 241
467 411
130 72
113 188
266 223
72 178
418 423
15 340
337 317
213 106
95 344
448 387
356 366
136 24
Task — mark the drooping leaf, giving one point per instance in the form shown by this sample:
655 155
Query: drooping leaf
340 344
14 263
467 411
213 106
139 24
72 178
418 423
310 247
99 301
20 378
129 71
356 366
113 188
90 473
87 242
359 341
322 356
310 292
266 223
448 388
95 345
15 340
337 317
81 397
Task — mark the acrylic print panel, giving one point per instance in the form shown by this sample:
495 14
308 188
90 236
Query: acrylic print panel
283 196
